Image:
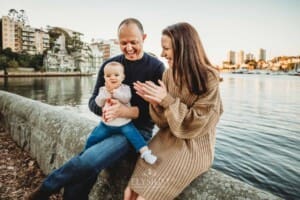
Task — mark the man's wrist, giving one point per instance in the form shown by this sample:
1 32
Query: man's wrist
129 112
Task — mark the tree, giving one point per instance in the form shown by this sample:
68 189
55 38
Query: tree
37 62
12 13
3 64
9 53
73 44
24 60
54 34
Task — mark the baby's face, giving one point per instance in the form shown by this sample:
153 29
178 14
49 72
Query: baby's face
114 75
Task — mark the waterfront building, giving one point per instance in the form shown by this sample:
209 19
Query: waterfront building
28 40
109 47
10 34
62 48
68 53
240 58
231 57
262 55
21 37
97 56
249 56
42 40
114 47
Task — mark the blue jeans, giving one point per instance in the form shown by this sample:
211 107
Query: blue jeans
103 131
78 175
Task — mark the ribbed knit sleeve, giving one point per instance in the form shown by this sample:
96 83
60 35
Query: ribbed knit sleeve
157 115
185 147
190 122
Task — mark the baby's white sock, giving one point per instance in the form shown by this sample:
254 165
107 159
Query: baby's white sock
149 157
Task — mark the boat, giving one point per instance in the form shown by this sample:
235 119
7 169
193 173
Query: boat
295 72
241 71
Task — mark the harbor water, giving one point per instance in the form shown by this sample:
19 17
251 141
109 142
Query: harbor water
258 137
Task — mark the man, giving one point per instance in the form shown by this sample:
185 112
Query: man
78 175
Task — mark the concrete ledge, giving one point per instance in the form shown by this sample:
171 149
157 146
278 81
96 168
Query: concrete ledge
53 135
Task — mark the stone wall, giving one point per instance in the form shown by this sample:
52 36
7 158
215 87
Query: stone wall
53 135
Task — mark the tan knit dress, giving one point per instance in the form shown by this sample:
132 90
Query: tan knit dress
185 142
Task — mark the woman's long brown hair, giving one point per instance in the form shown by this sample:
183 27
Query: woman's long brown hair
190 62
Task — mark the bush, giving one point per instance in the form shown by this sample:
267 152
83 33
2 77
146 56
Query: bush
13 64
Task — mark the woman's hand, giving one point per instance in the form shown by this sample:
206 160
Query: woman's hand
151 92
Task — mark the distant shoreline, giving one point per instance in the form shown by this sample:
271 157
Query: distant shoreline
45 74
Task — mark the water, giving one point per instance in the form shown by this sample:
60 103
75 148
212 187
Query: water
258 137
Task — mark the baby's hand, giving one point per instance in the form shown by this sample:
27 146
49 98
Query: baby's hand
107 104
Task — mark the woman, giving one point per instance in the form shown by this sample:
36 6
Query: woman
186 106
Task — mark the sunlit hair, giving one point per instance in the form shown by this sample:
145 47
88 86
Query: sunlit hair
132 21
190 62
114 64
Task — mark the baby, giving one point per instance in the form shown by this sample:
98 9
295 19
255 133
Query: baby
115 89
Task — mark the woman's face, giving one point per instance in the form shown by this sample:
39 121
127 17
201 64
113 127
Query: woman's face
167 49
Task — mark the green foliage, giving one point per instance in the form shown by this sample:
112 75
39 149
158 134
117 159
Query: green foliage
9 59
3 62
37 62
56 50
9 53
13 64
24 60
72 44
54 34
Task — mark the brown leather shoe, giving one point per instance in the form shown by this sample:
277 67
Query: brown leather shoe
37 194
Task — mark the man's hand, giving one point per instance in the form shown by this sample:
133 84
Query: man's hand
112 110
117 109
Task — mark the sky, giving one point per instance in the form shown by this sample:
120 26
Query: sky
222 25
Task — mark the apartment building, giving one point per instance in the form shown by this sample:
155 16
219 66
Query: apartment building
28 40
10 34
262 54
109 48
42 39
22 38
250 56
231 57
240 57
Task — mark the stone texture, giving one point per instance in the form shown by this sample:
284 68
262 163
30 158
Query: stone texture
53 135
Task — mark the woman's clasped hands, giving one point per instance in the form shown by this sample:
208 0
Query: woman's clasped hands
151 92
